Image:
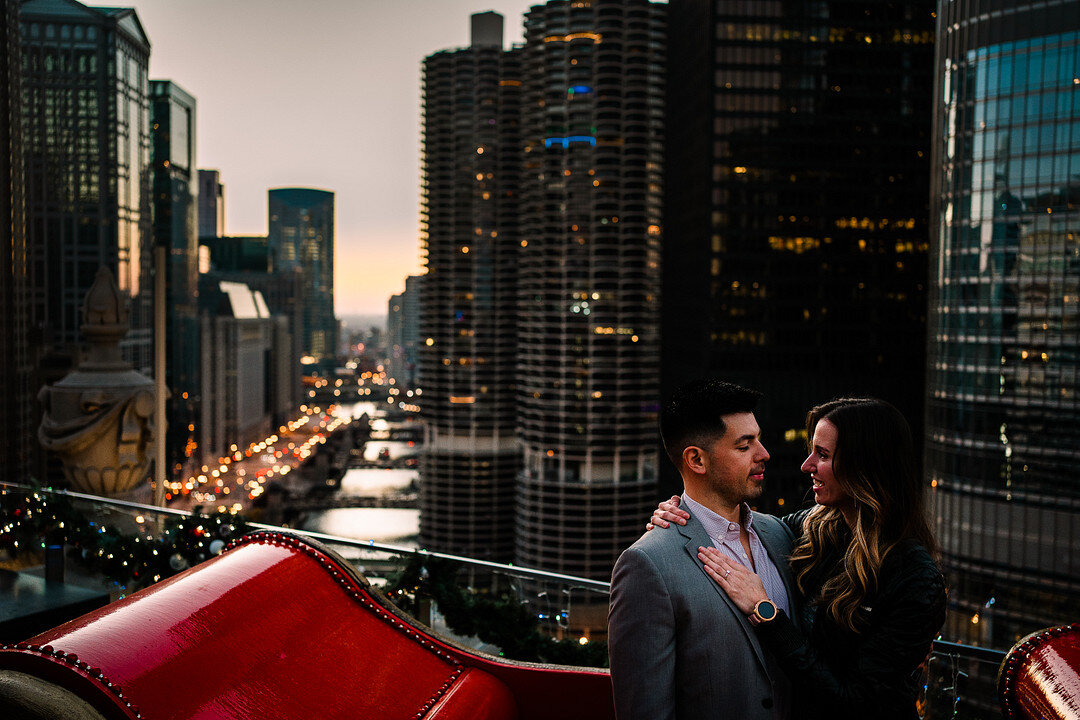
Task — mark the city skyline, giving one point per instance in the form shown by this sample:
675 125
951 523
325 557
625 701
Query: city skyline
354 129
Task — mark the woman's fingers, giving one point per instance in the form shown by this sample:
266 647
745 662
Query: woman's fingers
666 513
742 586
669 510
715 562
711 572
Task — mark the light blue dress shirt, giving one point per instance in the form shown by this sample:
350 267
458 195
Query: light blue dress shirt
725 537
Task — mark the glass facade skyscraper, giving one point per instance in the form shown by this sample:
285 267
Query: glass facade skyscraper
86 137
1003 419
797 185
302 240
467 304
16 367
174 192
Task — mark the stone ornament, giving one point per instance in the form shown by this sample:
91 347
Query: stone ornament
98 417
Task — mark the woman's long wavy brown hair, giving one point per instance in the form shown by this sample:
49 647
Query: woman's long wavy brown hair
874 464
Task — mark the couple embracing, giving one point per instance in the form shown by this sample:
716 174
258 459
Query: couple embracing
722 612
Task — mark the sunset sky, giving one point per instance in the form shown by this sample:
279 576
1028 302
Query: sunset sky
321 94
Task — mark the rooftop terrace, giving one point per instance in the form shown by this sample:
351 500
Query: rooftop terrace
114 548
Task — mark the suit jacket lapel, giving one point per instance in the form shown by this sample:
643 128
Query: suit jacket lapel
696 537
778 544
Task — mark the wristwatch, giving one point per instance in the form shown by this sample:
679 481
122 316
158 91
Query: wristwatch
765 611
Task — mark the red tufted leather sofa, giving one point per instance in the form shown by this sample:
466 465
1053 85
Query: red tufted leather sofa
275 627
1040 677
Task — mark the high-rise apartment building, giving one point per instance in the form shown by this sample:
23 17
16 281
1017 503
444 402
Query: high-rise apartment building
302 239
16 367
467 300
211 204
588 280
174 192
1003 399
86 139
797 186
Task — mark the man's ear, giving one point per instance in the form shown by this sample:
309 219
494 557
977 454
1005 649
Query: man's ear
694 459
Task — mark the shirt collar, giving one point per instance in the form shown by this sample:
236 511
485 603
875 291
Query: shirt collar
716 526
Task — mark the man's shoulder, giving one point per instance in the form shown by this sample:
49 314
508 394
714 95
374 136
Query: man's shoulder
656 543
771 522
766 519
657 555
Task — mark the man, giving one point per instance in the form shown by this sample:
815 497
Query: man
679 647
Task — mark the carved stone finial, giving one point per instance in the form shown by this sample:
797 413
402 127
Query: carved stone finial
98 417
105 323
105 306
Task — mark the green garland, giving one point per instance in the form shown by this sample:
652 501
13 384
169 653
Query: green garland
31 520
501 620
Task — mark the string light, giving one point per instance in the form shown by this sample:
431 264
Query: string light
127 561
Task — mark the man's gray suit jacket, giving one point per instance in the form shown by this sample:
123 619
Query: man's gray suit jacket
679 647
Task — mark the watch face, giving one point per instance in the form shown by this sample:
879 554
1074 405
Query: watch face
766 610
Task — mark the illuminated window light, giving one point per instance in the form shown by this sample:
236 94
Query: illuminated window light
565 141
595 37
462 399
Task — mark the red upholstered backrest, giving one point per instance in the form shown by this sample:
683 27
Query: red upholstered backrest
279 627
1040 677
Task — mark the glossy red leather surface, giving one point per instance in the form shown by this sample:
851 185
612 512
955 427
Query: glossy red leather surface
1040 677
475 695
275 628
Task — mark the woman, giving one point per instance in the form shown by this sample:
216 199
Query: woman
873 596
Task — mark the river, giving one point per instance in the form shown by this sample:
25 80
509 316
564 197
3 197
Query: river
394 526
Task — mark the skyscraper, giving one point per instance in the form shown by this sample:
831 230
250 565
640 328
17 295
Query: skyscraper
211 204
1003 400
468 306
588 280
175 189
302 239
16 368
795 252
87 151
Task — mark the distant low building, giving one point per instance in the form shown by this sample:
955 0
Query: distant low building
242 369
403 332
246 259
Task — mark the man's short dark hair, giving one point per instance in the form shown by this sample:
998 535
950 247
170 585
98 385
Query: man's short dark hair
693 415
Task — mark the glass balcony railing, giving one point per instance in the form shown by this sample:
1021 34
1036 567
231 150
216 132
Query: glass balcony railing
121 547
960 683
514 612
